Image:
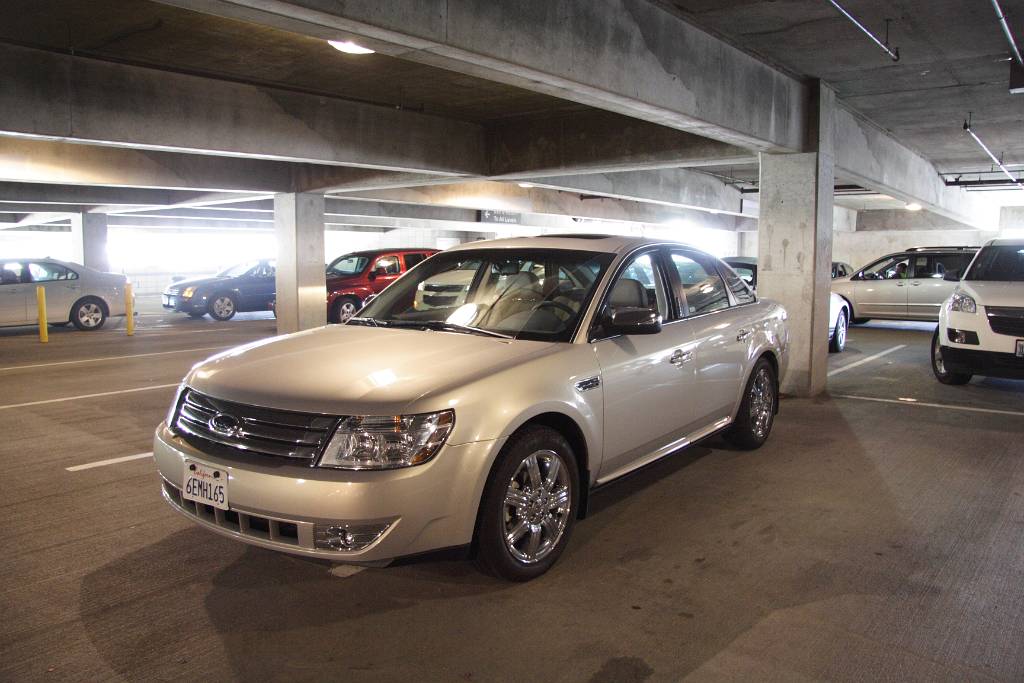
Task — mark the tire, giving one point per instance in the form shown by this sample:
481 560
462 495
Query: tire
756 414
838 341
939 365
89 314
344 307
196 315
535 518
222 307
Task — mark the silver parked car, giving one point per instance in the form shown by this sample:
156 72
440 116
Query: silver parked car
74 294
570 362
906 285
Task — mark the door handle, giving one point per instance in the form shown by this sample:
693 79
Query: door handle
915 284
680 357
900 283
743 334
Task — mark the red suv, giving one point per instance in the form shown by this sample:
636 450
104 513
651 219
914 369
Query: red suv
354 277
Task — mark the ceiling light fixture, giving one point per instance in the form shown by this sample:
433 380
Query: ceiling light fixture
893 52
1016 182
1007 32
526 185
350 48
913 206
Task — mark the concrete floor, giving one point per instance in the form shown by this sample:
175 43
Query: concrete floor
866 540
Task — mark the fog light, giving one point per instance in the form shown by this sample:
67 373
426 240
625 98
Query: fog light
345 537
962 336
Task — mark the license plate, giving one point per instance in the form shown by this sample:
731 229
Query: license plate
205 484
1020 348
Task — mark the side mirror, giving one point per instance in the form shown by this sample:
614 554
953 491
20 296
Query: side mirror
632 321
381 271
952 276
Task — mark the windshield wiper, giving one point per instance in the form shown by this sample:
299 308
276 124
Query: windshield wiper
442 326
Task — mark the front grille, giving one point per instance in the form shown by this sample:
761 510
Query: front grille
202 420
1006 320
443 288
439 300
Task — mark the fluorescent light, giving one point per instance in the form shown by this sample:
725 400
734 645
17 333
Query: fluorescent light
913 206
348 47
526 185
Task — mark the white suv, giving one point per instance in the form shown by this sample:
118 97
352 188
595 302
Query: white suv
981 326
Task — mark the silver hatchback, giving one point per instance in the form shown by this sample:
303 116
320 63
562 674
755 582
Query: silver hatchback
482 422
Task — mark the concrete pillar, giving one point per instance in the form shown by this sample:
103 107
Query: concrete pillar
89 240
301 282
795 246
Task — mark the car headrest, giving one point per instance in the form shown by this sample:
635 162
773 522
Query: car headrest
10 277
509 268
628 293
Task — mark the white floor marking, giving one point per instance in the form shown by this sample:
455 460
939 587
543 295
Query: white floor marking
97 360
912 402
111 461
75 398
862 361
344 571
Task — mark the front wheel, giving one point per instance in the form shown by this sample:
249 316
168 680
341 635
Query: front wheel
838 341
529 505
344 308
939 365
756 414
222 307
89 314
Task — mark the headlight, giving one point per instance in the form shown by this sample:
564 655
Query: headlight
189 291
962 303
386 442
169 420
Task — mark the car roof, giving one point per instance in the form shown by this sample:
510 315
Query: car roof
1006 242
401 250
607 244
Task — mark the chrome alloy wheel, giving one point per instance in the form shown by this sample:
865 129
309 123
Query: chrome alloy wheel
346 310
762 402
537 506
937 361
90 314
841 332
223 307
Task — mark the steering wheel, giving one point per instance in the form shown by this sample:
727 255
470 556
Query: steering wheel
556 304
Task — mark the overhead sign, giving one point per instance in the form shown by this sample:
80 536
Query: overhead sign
505 217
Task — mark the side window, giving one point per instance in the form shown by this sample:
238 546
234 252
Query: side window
936 266
640 285
389 264
11 273
412 259
49 272
888 269
740 290
700 286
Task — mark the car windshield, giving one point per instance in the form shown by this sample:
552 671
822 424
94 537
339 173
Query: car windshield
349 264
1003 263
536 294
238 269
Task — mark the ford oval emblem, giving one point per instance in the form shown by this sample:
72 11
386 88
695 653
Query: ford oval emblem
225 425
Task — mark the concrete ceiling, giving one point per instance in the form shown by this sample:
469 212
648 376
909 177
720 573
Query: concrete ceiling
953 60
151 34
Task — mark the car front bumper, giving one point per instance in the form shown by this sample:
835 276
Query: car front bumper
182 305
279 506
988 363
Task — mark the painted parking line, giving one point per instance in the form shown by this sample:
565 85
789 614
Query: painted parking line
99 360
924 404
862 361
110 461
344 571
81 396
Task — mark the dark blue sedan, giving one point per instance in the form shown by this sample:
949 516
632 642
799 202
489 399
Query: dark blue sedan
248 286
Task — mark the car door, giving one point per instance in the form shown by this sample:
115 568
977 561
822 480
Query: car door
14 294
881 289
927 288
412 259
260 286
62 288
647 379
720 330
384 270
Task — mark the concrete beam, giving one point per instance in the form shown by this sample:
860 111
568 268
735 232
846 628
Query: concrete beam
632 57
74 98
600 142
80 195
900 219
869 156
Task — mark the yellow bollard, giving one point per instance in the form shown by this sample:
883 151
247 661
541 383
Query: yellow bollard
44 333
129 308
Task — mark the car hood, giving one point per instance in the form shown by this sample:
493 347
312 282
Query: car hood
988 293
351 370
344 282
195 282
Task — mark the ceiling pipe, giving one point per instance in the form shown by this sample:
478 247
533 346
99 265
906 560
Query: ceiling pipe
892 52
995 160
1007 32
